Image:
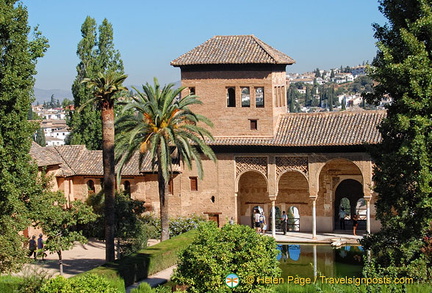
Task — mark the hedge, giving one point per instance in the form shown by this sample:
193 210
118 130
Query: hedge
146 262
10 284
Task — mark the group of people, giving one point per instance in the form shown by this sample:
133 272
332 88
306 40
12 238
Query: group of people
342 215
260 222
36 247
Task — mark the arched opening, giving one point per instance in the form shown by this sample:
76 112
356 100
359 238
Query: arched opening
252 192
231 98
127 188
338 178
344 212
348 193
293 219
293 198
361 209
90 187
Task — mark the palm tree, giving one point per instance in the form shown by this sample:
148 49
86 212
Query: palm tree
164 128
105 89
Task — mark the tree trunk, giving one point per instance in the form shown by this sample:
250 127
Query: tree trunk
163 199
109 180
59 252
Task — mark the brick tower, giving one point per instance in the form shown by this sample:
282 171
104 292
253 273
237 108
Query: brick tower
241 82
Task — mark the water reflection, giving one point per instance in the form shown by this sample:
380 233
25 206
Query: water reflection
306 260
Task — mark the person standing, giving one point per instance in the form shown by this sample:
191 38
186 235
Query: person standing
342 216
263 222
257 221
355 224
284 220
40 246
32 247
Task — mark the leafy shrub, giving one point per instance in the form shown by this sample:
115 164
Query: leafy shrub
177 225
9 284
148 261
32 280
83 283
142 288
216 253
131 229
181 225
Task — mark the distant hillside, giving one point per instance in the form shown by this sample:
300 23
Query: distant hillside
45 95
42 95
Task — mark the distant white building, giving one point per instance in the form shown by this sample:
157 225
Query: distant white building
55 131
359 70
343 77
52 141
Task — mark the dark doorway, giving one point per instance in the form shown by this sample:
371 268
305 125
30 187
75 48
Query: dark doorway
352 191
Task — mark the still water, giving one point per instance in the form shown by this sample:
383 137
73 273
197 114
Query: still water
307 260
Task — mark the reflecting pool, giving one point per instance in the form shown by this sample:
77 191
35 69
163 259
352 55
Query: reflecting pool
308 260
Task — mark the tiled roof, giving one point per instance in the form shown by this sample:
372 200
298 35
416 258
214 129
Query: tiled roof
78 160
243 49
43 156
346 128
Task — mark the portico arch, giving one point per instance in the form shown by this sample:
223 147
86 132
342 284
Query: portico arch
293 190
338 178
353 191
252 191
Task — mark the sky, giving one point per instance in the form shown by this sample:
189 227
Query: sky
150 34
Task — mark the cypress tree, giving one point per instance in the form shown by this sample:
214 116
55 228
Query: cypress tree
403 174
97 54
18 56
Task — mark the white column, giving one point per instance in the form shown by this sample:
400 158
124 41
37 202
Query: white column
368 216
315 260
314 219
235 208
273 219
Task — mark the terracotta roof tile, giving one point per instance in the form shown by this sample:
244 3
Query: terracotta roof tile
43 156
243 49
78 160
318 129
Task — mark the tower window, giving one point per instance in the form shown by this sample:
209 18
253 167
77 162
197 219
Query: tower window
259 97
245 97
253 124
192 91
193 183
231 98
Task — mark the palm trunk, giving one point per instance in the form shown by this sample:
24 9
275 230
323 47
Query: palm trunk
109 180
163 199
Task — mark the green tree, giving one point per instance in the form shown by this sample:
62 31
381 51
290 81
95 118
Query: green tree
105 89
234 249
130 231
58 218
168 131
39 137
66 102
97 54
403 175
18 57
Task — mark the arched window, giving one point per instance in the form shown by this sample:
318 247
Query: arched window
127 188
345 204
361 209
90 187
245 97
293 219
231 98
